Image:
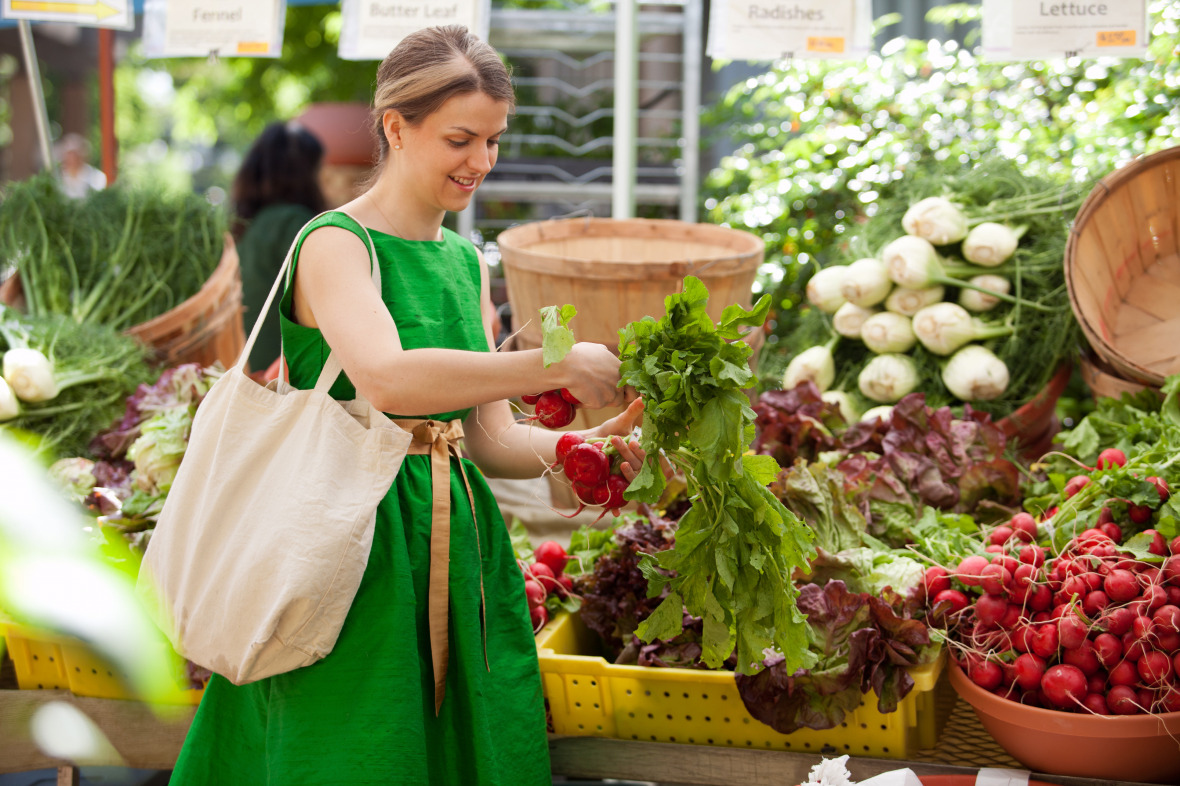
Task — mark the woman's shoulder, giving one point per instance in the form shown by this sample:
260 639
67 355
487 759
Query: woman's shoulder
457 244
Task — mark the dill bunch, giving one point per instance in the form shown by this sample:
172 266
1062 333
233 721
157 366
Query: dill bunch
120 256
1044 330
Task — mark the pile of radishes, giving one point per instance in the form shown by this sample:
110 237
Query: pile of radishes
544 575
593 469
553 408
1092 629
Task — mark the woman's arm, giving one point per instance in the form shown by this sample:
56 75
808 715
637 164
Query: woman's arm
334 292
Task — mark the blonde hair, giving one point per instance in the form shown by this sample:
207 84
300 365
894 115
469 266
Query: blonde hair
429 67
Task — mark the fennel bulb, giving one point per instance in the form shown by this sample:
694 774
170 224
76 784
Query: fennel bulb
888 332
30 374
883 412
848 319
815 364
843 401
990 244
974 373
9 404
825 289
908 302
866 283
935 219
977 300
914 264
887 378
944 327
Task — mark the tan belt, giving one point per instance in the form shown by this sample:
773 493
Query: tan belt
441 440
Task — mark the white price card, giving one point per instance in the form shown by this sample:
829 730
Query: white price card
759 30
1038 29
225 28
118 14
370 28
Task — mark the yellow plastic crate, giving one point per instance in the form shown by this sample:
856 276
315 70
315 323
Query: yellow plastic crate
589 696
45 661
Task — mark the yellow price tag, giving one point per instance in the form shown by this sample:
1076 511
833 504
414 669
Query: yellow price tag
253 47
830 44
1116 38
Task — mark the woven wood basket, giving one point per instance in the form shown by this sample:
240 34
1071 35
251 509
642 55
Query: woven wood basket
1102 380
1122 268
618 271
206 328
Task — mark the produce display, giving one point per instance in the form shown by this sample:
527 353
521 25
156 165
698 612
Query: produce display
954 288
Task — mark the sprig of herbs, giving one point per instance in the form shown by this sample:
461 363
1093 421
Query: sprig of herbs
738 546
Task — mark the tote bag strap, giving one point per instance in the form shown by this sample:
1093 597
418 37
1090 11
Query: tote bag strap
332 368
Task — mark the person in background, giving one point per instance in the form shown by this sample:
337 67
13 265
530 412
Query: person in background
78 178
275 192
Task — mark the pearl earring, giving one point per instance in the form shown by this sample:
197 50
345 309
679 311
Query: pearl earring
397 147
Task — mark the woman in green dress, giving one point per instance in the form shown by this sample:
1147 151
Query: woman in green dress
434 677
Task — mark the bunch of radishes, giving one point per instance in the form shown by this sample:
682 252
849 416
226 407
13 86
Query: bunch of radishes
544 575
1093 629
593 469
553 408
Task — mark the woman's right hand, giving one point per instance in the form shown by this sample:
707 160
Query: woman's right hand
592 375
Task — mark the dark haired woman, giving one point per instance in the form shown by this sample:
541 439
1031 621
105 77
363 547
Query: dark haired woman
276 191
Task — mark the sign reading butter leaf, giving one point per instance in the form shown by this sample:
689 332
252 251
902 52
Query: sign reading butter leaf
759 30
117 14
225 28
1018 30
373 27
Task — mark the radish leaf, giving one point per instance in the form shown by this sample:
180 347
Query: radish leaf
556 337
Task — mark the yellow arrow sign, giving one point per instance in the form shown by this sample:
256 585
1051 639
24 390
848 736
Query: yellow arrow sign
98 11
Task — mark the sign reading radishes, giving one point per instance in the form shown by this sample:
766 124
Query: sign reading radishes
773 29
373 27
226 28
1064 28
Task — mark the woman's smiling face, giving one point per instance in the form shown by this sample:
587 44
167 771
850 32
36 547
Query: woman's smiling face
448 155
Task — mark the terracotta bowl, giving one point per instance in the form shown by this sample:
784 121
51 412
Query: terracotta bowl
1138 748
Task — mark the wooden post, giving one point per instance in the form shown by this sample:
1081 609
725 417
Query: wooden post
106 102
67 776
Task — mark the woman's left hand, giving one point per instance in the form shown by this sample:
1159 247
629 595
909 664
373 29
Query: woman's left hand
621 426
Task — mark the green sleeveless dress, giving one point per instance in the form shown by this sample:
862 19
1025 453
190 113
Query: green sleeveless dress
365 713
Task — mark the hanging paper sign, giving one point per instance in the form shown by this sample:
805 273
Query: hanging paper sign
1064 28
758 30
118 14
224 28
373 27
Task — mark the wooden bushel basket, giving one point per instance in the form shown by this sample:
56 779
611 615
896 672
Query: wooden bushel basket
206 328
617 271
1122 268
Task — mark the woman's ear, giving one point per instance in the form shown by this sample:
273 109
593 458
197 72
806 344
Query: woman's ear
392 122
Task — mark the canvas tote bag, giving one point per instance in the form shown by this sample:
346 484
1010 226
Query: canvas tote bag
266 531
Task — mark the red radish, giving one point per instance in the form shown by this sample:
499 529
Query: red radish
936 580
1096 682
591 495
1123 700
567 584
1111 457
1000 535
1134 648
530 398
553 411
616 485
1041 598
1171 569
970 568
1083 657
1121 586
1063 685
1118 621
1075 484
1094 603
1108 648
1174 546
990 609
1096 703
956 600
1142 627
1167 640
1158 546
1139 514
1024 522
986 674
552 554
539 616
586 464
1112 531
1166 618
1154 597
565 394
1044 641
995 579
1154 668
992 548
1176 663
1161 487
567 442
1124 673
534 592
1071 631
544 575
1032 555
1170 700
1028 669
